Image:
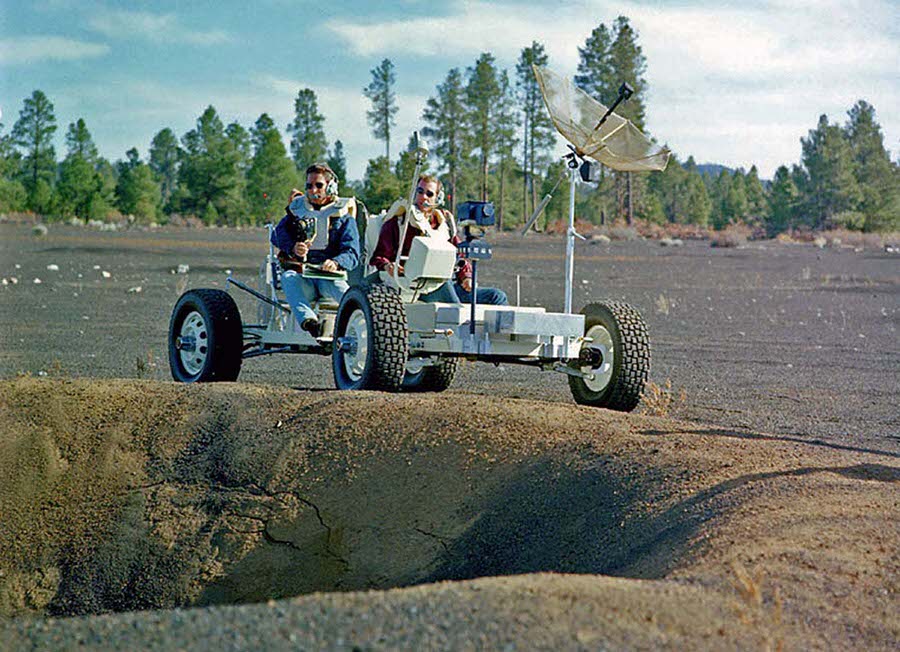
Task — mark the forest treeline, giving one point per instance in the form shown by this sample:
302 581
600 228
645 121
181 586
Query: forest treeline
491 138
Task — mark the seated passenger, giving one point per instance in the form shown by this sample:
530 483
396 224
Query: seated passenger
334 247
431 220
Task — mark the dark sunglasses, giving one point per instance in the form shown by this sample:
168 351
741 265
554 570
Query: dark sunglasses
318 185
427 193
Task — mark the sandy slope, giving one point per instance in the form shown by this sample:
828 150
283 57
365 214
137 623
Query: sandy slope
138 495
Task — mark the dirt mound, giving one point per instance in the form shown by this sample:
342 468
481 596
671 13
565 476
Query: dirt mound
126 495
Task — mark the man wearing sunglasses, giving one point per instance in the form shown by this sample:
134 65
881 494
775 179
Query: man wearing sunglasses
333 247
428 218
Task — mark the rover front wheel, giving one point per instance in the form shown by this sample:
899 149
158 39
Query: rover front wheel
205 337
370 340
616 354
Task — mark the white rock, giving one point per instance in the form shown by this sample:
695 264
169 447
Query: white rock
105 274
42 373
80 275
228 271
5 282
18 266
96 267
85 317
53 267
37 281
13 280
183 268
135 289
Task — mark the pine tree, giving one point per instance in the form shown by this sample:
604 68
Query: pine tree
308 144
137 193
482 95
337 161
209 174
629 66
104 199
164 156
735 201
240 138
505 122
875 174
537 129
380 91
380 186
79 191
828 160
698 206
669 187
33 132
78 182
272 174
237 207
446 127
596 76
720 207
79 141
757 206
12 192
783 202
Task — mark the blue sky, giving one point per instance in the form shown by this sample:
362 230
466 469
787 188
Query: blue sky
737 83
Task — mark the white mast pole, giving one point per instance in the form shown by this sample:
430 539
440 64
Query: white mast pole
570 242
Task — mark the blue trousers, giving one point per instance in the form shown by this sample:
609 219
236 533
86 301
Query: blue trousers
489 296
454 293
302 292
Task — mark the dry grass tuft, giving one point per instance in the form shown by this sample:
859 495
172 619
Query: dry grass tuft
660 400
733 235
754 611
662 305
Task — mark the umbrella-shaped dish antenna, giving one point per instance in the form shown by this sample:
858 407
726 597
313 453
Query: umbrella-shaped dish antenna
594 131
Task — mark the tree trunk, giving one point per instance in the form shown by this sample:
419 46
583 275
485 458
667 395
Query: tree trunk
525 213
502 194
453 192
630 217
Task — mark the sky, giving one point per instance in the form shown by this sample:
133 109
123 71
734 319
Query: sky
735 83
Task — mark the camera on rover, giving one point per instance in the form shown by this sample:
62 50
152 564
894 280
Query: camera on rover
475 213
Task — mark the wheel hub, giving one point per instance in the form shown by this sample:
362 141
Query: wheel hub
354 345
597 357
192 343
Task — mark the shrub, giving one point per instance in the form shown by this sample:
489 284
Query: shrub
733 235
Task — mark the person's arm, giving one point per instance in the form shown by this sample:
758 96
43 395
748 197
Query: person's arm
348 256
281 237
386 249
463 267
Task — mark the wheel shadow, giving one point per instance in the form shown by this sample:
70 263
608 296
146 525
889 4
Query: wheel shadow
737 434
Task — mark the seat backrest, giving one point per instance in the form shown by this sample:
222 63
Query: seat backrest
373 230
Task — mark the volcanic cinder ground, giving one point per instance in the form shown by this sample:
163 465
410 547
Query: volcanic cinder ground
752 506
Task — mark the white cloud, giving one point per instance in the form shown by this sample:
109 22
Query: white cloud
739 83
159 28
477 27
34 49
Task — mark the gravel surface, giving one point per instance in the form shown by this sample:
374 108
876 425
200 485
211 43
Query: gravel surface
770 338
